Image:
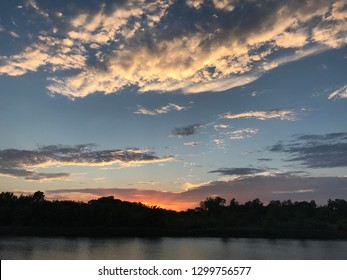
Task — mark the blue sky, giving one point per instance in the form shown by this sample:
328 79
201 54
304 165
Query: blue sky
171 101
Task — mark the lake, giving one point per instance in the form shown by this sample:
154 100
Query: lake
170 248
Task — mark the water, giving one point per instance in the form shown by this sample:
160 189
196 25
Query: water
170 248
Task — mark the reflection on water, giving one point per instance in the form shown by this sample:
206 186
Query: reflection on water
169 248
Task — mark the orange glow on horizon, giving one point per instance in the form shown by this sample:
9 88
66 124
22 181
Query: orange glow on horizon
149 201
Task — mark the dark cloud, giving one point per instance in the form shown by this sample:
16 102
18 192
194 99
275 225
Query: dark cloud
316 151
31 175
20 163
277 186
338 136
186 131
238 171
264 159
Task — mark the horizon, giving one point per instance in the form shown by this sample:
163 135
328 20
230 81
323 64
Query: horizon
195 206
169 102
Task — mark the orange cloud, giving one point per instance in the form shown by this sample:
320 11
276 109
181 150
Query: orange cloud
134 43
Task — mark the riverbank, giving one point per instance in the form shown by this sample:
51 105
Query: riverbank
111 232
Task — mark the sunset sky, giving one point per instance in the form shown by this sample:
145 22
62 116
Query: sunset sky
168 102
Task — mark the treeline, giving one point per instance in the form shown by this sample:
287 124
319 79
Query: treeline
33 214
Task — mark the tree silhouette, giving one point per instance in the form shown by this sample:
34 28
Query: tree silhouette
111 216
38 197
213 205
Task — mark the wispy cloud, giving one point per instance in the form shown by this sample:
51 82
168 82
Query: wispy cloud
238 171
162 110
124 43
264 159
22 163
219 142
294 191
339 93
289 115
220 126
242 133
33 5
191 144
186 131
101 179
190 186
151 183
316 151
17 172
14 34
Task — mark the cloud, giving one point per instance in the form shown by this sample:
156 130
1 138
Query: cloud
16 172
238 171
316 151
218 44
266 188
264 159
220 84
186 131
47 51
339 94
274 187
14 34
152 183
242 133
195 3
289 115
189 186
219 142
191 144
33 5
226 5
22 163
332 31
101 179
162 110
220 126
294 191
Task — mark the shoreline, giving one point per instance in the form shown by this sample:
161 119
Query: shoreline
107 232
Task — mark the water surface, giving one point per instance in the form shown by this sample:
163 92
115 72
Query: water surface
170 248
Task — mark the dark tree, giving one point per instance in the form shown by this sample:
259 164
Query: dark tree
213 204
38 197
111 216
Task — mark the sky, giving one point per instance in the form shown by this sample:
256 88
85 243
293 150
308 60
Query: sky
168 102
